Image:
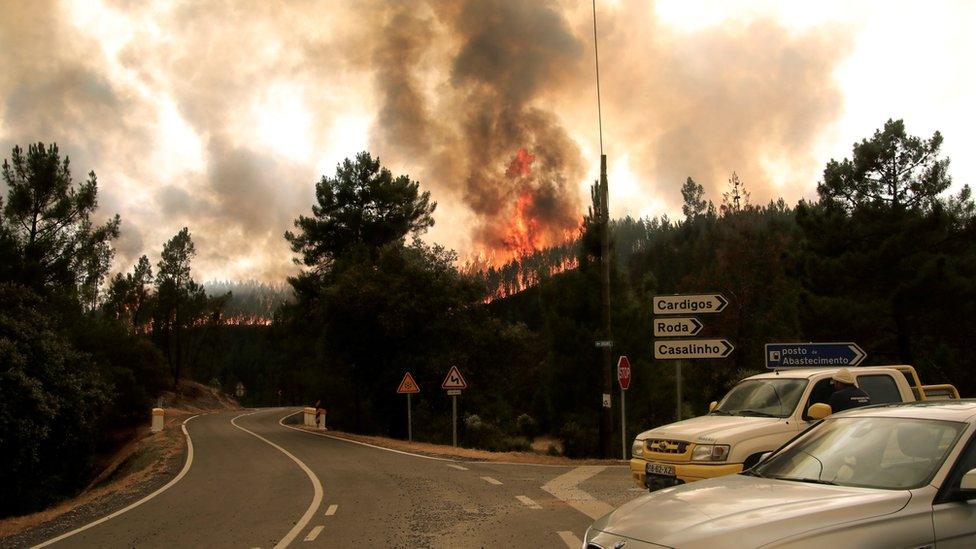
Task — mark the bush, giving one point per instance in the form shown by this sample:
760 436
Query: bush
51 401
527 426
488 436
578 440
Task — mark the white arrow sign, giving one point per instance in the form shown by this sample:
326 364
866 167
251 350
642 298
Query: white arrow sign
691 303
677 326
683 349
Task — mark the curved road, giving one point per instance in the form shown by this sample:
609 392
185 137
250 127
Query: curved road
257 482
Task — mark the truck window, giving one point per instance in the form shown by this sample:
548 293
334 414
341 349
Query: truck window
820 394
880 387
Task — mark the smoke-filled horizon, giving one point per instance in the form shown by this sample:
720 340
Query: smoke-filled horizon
221 116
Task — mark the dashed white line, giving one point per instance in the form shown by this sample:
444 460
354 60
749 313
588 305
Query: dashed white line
527 501
167 486
490 480
570 539
316 487
458 467
331 510
314 533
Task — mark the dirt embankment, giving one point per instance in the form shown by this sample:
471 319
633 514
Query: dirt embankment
143 464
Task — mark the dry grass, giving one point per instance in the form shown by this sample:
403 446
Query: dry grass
471 454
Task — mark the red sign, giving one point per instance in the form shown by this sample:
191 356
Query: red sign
454 380
623 373
408 385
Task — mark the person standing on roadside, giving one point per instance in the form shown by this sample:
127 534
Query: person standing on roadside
846 395
319 411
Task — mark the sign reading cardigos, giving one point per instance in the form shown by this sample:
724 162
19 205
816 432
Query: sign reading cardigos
692 303
806 355
683 349
677 326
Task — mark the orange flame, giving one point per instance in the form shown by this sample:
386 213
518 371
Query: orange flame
521 164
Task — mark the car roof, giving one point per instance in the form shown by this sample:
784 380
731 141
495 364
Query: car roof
806 373
947 410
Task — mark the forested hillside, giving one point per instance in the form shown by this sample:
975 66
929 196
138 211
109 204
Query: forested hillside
885 257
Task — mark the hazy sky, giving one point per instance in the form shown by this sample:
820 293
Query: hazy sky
221 116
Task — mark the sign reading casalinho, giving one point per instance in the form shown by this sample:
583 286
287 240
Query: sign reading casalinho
680 349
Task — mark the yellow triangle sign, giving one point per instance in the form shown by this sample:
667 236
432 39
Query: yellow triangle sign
408 385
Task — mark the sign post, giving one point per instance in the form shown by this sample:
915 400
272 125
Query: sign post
623 378
454 383
408 387
806 355
666 324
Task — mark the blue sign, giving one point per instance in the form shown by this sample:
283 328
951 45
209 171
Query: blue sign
813 355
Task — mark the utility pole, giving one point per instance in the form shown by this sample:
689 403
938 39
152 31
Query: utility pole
601 204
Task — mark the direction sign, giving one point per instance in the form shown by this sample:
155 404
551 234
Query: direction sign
623 372
677 326
604 343
408 385
454 380
683 349
689 303
805 355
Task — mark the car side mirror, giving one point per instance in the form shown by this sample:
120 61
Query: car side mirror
819 411
712 406
967 486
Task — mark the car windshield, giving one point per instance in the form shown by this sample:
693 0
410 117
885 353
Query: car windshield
762 398
888 453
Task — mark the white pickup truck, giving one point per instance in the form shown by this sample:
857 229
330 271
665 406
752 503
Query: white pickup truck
757 416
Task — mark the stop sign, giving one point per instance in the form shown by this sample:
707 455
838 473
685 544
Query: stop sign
623 373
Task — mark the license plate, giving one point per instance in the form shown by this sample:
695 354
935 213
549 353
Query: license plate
659 469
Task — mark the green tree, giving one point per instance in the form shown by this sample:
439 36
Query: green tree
129 296
884 250
47 221
694 199
891 170
182 310
364 205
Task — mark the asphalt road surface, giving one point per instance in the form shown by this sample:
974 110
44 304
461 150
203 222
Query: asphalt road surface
256 482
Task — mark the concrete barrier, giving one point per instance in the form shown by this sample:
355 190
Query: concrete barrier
309 417
158 418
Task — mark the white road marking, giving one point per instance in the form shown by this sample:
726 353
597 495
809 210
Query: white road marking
570 539
458 467
281 422
490 480
528 502
316 486
314 533
566 488
167 486
331 510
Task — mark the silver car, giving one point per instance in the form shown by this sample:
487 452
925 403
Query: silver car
901 475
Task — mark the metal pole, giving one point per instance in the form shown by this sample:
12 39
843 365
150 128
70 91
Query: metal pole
409 421
623 425
454 416
677 381
606 415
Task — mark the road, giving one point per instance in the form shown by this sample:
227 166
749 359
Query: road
256 482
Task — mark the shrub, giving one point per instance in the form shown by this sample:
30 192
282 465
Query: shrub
527 426
578 440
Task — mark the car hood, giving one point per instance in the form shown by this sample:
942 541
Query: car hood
718 429
754 510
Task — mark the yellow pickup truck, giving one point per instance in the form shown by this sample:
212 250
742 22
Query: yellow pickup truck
757 416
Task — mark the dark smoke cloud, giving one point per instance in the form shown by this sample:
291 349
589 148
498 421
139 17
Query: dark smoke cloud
455 89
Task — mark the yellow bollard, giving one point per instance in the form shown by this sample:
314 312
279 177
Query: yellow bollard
157 420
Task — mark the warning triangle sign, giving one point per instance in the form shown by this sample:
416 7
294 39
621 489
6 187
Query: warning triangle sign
454 380
408 385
